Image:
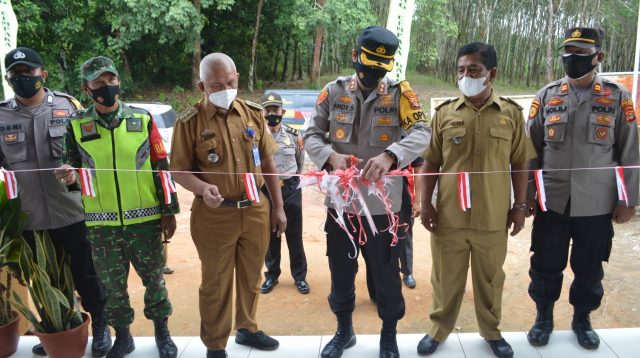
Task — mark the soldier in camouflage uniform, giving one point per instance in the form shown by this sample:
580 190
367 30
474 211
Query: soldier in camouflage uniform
121 145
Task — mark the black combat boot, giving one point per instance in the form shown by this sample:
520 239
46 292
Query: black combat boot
101 335
123 345
343 339
581 325
166 347
539 334
388 343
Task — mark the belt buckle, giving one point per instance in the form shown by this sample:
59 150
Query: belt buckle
238 206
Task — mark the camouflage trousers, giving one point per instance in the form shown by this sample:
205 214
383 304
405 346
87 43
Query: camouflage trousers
114 248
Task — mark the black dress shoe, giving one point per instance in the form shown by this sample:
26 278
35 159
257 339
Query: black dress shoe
217 354
427 345
268 285
258 340
501 348
587 337
38 350
409 281
303 287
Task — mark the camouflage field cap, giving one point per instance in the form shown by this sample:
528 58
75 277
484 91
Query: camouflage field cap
95 66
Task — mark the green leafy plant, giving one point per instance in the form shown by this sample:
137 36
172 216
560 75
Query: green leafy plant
12 223
48 278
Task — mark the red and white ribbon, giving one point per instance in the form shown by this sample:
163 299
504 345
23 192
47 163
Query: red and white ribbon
542 194
86 182
622 187
10 184
251 188
464 194
168 187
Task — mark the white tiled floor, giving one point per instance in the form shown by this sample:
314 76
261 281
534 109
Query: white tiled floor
623 342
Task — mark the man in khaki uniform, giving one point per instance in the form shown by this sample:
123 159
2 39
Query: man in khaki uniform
219 138
580 121
477 132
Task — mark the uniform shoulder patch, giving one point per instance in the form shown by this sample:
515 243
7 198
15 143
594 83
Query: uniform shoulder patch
512 102
410 95
253 105
291 130
189 113
450 100
74 102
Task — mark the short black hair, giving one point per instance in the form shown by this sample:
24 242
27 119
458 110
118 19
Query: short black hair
486 51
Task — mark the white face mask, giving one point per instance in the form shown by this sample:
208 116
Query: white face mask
223 98
472 87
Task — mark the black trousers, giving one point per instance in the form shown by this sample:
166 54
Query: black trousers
292 198
72 240
590 239
382 261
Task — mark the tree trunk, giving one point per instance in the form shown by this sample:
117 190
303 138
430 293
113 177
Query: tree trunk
197 53
285 65
253 47
295 61
317 49
550 28
299 63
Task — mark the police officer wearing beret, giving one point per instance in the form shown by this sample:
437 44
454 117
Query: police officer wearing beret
32 125
290 160
381 123
579 121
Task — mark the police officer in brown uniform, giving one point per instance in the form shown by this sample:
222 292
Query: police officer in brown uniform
379 121
220 138
476 132
289 159
32 125
580 121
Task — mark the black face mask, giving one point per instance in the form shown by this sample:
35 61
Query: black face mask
577 66
369 76
273 119
106 95
26 86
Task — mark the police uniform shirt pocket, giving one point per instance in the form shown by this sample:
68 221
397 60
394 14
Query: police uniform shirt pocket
341 126
56 134
454 140
501 141
289 150
14 146
385 130
555 126
601 129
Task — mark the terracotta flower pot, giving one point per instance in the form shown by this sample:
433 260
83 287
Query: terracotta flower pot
9 336
67 344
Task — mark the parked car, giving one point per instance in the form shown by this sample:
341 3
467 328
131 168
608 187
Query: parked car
164 115
299 105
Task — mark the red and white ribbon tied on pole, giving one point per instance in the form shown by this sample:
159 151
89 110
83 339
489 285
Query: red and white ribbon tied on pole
168 187
10 184
86 182
542 194
464 193
622 187
251 188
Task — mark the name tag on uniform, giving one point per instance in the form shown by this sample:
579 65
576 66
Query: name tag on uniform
256 155
60 113
11 138
134 125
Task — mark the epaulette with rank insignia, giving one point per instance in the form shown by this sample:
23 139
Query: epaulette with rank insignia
445 102
189 113
78 114
512 102
291 130
74 102
253 105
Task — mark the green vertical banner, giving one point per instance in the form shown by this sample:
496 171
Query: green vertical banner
8 38
399 22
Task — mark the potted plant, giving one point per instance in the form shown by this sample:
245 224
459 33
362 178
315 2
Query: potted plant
12 222
61 327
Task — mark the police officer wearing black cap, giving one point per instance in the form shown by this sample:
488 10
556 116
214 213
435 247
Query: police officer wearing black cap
290 160
32 125
381 123
580 121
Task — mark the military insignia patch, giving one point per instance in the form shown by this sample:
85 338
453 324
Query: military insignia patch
134 125
384 121
604 100
554 119
597 88
11 138
322 97
555 102
384 137
605 120
88 129
345 99
627 105
412 98
630 116
341 117
551 132
607 92
381 50
564 88
503 122
533 111
60 113
208 133
340 133
602 133
576 33
457 123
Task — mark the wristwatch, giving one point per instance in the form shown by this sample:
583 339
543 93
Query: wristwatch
522 207
393 156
